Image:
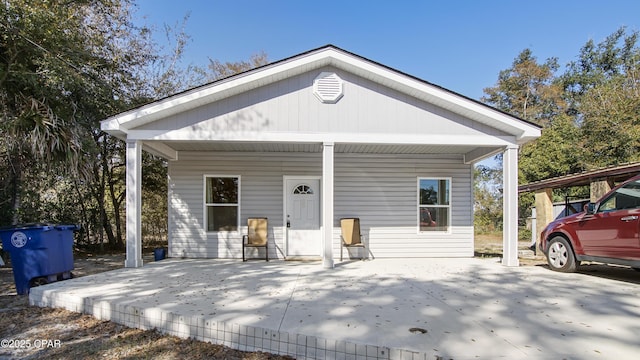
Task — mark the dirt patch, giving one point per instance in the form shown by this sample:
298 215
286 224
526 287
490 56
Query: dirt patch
490 246
29 332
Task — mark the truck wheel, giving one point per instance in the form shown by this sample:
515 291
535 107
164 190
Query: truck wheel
560 255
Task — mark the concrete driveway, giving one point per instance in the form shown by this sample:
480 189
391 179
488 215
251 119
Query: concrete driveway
379 309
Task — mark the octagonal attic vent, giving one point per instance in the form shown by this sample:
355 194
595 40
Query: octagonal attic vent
328 87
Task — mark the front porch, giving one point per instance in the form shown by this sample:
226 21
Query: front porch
325 105
381 309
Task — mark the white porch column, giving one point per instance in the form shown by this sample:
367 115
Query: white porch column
327 205
134 203
510 206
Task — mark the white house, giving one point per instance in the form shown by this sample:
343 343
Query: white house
313 138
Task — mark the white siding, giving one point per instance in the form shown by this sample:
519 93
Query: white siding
261 196
379 189
382 191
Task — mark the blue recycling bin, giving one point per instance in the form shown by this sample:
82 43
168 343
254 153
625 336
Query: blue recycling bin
39 251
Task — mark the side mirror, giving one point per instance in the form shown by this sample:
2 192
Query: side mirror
590 208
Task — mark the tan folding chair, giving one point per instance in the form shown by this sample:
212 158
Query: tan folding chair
351 236
256 236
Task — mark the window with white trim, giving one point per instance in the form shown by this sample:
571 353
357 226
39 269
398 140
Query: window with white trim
222 210
434 204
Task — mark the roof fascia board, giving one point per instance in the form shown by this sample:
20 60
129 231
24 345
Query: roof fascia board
360 138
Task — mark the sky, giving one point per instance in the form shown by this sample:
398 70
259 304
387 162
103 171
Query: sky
460 45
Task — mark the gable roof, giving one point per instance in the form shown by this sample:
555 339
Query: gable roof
328 55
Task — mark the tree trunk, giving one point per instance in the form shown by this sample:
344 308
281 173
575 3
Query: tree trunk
99 194
83 211
16 188
116 203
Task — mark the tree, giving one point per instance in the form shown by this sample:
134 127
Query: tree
36 80
220 70
589 113
64 66
556 153
597 64
527 89
603 88
488 199
610 121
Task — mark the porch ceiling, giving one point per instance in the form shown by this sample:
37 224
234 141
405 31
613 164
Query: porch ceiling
316 147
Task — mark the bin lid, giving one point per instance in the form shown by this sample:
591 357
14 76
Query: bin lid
29 226
40 226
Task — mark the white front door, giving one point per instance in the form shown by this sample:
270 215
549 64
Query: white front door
302 216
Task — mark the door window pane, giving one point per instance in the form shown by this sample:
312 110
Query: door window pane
303 189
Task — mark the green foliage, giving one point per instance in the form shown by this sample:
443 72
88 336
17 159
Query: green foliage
488 199
64 66
554 154
589 114
527 90
603 91
611 111
598 63
524 234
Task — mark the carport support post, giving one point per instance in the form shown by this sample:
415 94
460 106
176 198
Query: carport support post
544 211
134 202
510 206
599 188
327 205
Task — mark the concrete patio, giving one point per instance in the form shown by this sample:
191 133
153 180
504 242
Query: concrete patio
380 309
